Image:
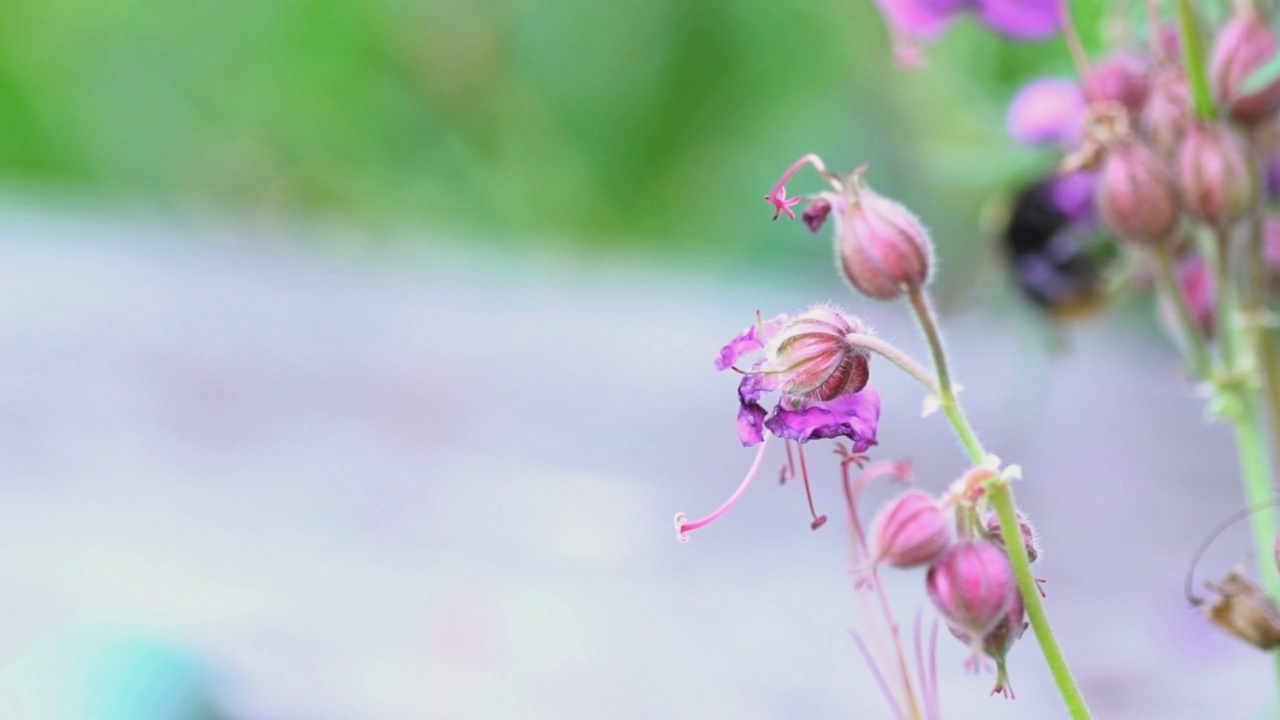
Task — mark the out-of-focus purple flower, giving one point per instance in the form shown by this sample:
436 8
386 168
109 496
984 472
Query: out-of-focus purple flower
1016 19
1021 19
922 18
1072 193
1047 110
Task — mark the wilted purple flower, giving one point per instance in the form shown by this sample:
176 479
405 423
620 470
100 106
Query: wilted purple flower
820 378
815 216
922 18
1047 110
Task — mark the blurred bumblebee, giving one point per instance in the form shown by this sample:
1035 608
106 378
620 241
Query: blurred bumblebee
1057 258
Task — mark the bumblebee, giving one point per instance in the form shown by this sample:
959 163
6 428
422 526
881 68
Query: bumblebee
1058 262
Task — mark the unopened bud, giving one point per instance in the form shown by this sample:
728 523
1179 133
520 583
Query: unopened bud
1167 113
1122 78
813 359
1244 45
1136 195
972 586
882 248
815 216
1214 177
910 532
1029 536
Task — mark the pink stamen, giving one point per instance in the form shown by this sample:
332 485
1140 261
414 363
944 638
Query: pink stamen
788 471
818 520
683 528
879 676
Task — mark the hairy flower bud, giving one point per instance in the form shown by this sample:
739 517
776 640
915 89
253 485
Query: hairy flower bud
972 586
1244 45
1136 195
910 532
882 248
1167 113
1122 78
1029 536
1214 176
813 359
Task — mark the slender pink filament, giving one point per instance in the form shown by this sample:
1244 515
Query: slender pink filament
879 676
684 528
818 520
788 471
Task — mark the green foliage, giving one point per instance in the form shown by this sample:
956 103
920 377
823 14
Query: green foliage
662 122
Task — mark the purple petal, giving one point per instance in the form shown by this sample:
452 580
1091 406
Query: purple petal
1021 19
750 412
1072 193
749 341
854 416
921 18
1048 110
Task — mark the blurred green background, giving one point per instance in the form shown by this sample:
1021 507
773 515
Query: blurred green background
584 125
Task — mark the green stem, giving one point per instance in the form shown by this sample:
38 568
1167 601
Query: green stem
1000 494
1196 348
1193 57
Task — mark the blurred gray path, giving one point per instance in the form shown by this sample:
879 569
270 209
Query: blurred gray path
440 485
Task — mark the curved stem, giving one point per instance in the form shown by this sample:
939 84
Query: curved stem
1000 494
890 352
1193 58
1072 37
946 393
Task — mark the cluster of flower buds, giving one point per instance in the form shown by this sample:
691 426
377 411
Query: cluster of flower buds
969 577
1162 158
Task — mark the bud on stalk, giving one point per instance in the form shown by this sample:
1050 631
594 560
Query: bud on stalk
882 248
1136 195
1214 178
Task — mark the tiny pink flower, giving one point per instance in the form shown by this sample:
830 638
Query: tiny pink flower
1047 110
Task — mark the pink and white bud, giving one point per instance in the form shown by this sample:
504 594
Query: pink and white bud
912 531
1123 78
1136 194
1244 44
1029 536
882 248
813 359
1167 114
972 586
1214 178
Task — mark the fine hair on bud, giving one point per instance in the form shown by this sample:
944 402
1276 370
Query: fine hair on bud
1214 176
972 586
911 531
882 248
1136 194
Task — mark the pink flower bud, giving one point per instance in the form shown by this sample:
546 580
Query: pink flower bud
1244 45
813 359
972 586
1122 78
911 531
1136 195
1167 113
882 248
1029 536
1214 177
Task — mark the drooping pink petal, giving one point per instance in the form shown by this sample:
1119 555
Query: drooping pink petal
1047 110
751 339
855 416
